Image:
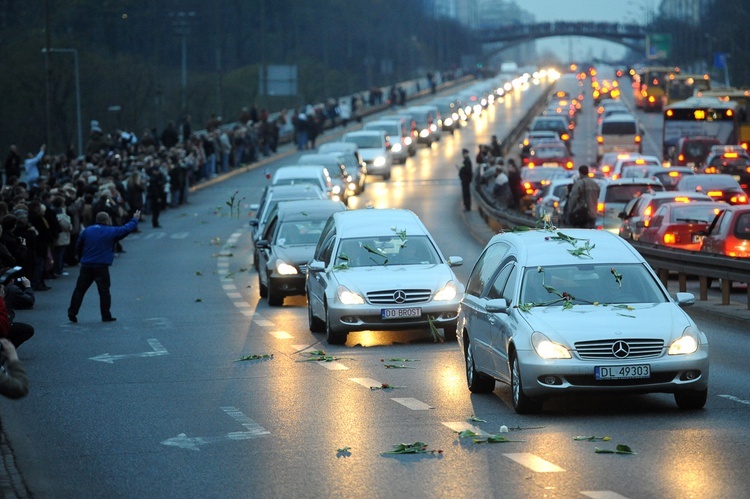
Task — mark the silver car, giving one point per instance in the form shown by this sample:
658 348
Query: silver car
553 312
380 270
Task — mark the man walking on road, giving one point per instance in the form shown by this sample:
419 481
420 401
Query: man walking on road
466 174
95 248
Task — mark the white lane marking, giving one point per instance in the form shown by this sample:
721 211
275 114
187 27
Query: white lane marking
252 430
180 235
229 287
156 350
248 313
534 463
241 304
263 322
602 494
412 403
367 382
281 335
459 426
735 399
234 295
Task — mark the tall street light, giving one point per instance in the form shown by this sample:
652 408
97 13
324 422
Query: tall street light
181 26
78 91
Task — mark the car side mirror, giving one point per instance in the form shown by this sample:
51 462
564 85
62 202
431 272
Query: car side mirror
497 306
263 244
455 261
685 299
315 266
622 215
253 223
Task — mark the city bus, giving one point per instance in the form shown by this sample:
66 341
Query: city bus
681 86
742 98
700 116
649 86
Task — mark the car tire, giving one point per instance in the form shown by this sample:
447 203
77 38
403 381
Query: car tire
333 337
275 299
691 399
449 333
387 176
262 288
316 325
256 257
477 382
522 404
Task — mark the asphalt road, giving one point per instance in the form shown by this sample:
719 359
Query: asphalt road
155 404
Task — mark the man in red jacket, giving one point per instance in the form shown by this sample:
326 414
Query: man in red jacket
95 247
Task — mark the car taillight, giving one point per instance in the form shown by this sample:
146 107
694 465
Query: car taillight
637 139
530 164
600 207
651 99
599 139
565 136
670 238
738 199
681 158
715 194
569 165
606 169
647 212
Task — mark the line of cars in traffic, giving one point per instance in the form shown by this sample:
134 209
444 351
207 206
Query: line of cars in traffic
536 313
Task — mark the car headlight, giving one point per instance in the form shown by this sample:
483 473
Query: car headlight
685 344
379 161
284 268
348 297
448 292
448 122
548 349
336 189
424 133
407 141
396 147
352 186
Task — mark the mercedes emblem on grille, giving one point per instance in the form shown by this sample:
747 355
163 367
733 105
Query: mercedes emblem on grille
399 296
620 349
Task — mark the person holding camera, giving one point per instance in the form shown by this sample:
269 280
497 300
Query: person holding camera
95 247
16 293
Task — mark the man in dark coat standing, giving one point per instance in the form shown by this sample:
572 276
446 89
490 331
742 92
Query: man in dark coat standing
95 247
466 174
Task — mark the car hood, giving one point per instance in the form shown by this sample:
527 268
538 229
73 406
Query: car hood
298 255
589 322
367 279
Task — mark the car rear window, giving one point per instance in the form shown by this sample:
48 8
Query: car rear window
624 193
366 141
619 128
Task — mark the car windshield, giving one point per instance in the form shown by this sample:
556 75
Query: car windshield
619 128
385 250
590 283
709 181
297 181
300 233
537 174
669 178
366 141
742 228
554 125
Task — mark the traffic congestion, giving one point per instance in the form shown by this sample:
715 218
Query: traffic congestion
341 314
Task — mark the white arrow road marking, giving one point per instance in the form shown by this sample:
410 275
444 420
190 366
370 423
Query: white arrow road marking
412 403
157 350
534 463
459 426
252 430
735 399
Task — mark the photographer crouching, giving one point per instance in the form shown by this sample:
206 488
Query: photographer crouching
15 293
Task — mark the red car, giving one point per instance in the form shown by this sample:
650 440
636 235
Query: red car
681 225
729 234
550 154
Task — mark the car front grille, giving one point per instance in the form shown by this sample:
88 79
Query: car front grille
618 349
399 296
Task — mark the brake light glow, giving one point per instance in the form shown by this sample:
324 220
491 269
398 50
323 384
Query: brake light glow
599 139
638 141
715 194
600 207
565 136
682 199
670 238
648 211
738 199
606 169
681 157
731 155
569 164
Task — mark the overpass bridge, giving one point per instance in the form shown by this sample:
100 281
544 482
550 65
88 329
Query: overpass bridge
497 39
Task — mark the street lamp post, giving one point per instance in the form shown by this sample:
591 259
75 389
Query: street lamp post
78 91
181 26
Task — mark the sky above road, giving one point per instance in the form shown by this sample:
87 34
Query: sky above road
623 11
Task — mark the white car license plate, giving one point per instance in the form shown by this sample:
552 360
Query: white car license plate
697 238
641 371
400 313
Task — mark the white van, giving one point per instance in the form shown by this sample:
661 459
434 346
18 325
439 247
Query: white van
619 133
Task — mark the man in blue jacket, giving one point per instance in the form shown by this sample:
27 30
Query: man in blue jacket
95 247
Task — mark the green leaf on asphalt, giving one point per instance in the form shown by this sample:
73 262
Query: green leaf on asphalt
415 448
593 438
466 434
494 439
478 420
621 449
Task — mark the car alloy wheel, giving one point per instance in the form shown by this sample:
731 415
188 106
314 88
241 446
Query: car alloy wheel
478 382
521 403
